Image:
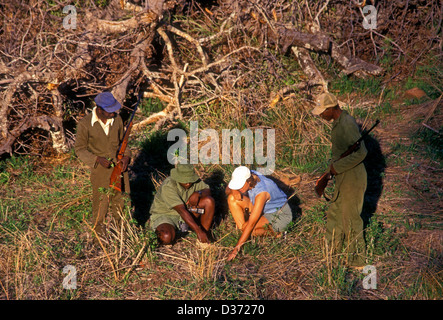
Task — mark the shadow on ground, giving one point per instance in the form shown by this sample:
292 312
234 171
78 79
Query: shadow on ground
375 164
149 167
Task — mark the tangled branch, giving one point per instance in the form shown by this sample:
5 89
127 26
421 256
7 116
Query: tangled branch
186 56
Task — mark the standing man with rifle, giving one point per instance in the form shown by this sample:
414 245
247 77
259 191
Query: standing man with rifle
100 144
344 226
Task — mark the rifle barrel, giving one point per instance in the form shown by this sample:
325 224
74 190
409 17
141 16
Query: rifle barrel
367 132
128 126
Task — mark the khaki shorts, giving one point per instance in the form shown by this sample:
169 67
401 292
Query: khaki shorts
280 219
171 219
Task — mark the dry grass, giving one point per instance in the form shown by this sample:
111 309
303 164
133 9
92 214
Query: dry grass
50 231
44 214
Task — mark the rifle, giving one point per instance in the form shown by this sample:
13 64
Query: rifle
116 176
322 182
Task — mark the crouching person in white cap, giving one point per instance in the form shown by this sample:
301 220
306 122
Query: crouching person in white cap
257 204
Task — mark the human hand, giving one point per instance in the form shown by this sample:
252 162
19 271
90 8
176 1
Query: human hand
202 236
125 162
233 254
104 162
237 195
332 170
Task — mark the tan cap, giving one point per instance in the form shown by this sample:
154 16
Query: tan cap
324 101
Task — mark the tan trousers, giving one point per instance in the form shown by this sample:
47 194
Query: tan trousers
105 198
344 226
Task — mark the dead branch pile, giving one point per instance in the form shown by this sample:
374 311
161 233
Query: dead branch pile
186 55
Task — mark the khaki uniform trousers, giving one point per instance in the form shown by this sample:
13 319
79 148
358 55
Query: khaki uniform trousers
107 198
344 225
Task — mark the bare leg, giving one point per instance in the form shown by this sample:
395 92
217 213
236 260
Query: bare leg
206 219
237 208
263 227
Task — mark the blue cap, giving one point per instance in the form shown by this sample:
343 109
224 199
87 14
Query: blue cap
107 102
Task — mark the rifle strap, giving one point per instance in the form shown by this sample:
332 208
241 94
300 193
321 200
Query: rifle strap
326 198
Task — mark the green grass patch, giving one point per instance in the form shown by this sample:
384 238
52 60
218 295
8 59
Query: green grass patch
349 84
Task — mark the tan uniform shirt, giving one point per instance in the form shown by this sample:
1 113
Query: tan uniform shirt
92 141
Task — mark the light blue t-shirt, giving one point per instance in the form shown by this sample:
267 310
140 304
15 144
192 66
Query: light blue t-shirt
278 197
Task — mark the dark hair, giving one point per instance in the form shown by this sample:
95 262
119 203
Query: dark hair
252 180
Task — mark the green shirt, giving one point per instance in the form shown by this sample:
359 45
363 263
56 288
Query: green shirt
171 194
345 132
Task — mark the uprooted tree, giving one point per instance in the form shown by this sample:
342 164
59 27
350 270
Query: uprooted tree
184 53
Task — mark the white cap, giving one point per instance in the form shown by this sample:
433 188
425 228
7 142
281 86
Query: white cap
239 177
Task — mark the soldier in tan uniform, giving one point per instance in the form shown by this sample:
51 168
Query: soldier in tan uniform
97 141
344 226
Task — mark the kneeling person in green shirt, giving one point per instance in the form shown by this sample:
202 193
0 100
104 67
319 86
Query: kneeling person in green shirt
182 199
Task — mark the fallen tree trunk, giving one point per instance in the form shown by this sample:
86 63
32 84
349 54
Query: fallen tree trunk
45 77
319 42
50 124
309 68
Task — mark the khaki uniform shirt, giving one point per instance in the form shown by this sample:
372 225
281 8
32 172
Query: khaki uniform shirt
171 194
345 133
91 141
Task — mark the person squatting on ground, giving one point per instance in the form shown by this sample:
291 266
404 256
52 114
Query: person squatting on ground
344 226
182 201
257 205
97 142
